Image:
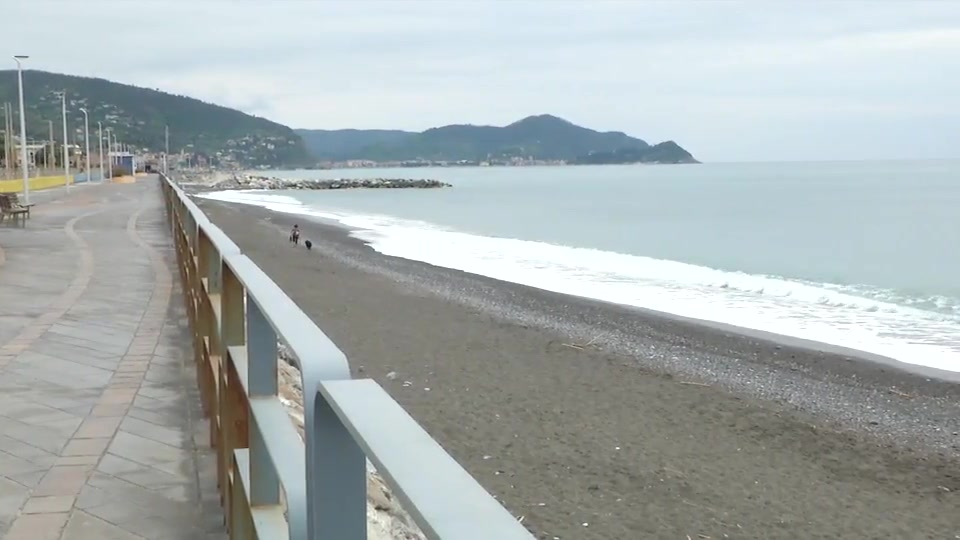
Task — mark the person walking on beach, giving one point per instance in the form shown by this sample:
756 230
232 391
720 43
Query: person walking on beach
295 234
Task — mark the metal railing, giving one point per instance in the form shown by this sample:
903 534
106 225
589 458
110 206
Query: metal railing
237 315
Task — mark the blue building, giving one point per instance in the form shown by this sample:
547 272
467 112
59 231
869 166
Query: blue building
125 161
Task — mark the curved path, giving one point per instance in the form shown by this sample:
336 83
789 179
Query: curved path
100 431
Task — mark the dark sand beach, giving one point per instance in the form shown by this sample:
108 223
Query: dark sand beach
595 421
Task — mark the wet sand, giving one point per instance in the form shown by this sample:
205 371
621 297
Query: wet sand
659 428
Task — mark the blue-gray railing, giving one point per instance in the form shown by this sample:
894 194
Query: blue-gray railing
272 485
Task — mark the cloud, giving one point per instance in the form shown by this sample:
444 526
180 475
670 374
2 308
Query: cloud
733 80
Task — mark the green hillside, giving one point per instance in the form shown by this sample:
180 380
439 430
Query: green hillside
543 137
138 116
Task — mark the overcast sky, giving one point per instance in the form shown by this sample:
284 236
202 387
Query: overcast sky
730 81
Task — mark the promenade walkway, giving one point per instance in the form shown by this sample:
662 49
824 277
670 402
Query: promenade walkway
101 435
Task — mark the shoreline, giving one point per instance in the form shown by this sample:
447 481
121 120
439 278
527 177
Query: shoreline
852 442
773 338
810 345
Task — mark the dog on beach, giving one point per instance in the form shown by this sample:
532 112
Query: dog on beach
308 243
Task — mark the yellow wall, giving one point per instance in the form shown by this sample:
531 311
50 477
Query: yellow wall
43 182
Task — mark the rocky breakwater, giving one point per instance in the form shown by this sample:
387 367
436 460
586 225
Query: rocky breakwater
244 182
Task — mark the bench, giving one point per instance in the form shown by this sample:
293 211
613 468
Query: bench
15 202
10 206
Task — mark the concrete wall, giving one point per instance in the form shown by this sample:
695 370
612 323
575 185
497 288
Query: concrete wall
36 184
46 182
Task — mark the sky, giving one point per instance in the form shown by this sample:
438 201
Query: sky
768 80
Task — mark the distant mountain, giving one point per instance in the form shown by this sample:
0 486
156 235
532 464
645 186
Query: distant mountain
138 116
542 137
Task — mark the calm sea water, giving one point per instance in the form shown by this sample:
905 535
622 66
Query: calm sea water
859 254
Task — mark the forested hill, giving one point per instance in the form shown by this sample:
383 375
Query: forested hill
542 137
138 116
228 137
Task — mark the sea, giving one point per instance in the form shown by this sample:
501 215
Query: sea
864 255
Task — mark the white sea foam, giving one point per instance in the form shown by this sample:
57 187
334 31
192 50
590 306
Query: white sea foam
921 331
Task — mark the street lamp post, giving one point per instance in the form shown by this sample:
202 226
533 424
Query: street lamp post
166 147
23 132
66 141
109 155
7 133
100 147
86 139
49 156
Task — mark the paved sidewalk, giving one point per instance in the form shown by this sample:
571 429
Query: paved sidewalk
101 435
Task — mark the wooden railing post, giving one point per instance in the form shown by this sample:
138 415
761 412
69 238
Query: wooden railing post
232 405
205 329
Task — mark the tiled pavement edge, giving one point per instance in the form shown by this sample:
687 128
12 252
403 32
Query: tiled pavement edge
101 435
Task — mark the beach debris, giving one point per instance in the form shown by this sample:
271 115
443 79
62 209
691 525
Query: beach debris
392 376
691 383
407 384
893 390
581 346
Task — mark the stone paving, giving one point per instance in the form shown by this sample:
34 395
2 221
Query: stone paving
101 435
